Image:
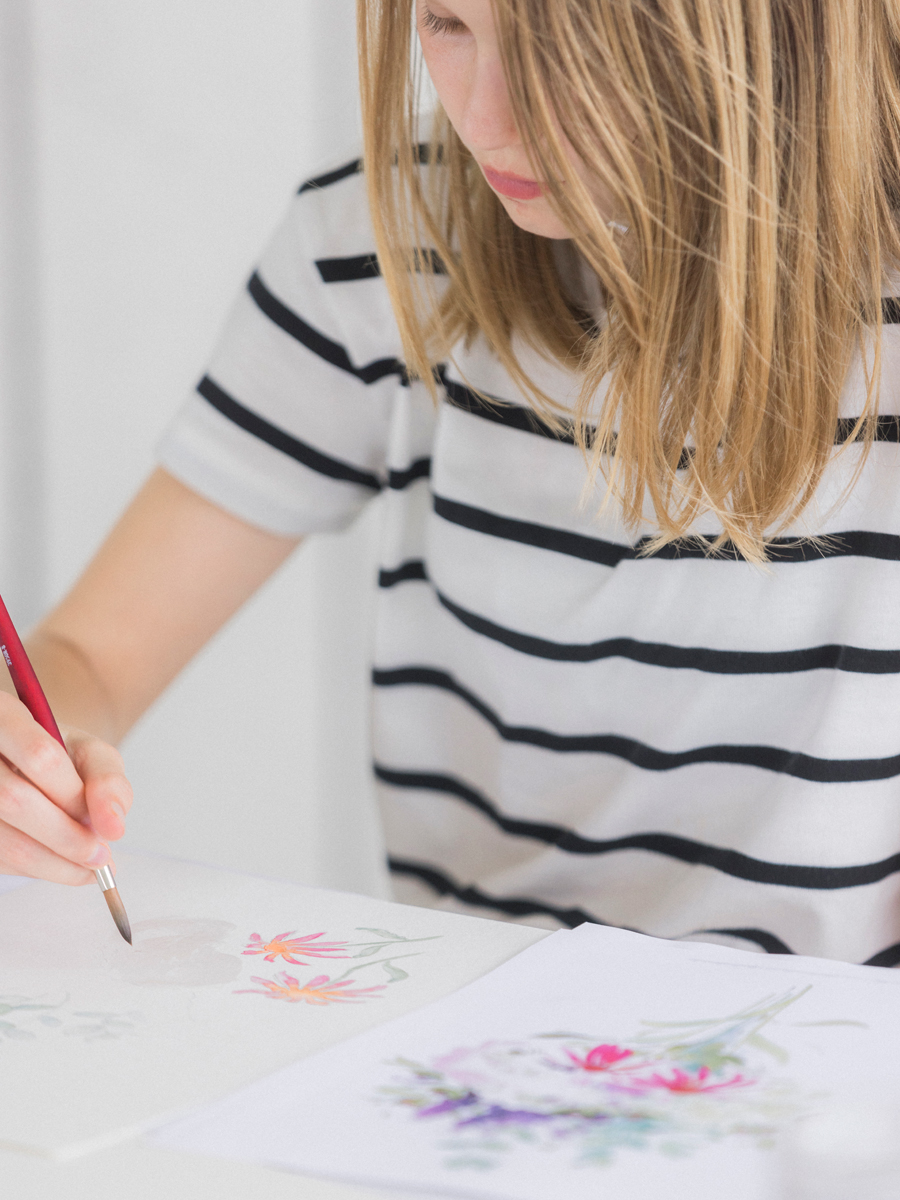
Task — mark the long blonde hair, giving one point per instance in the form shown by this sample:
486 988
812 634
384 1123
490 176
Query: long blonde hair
752 147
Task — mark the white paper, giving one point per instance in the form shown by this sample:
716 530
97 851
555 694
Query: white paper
595 1063
99 1040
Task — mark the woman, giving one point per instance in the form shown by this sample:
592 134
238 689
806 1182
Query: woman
623 371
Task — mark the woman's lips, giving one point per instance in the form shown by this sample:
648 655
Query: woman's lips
513 186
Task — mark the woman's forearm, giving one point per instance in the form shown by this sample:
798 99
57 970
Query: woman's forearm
171 573
76 693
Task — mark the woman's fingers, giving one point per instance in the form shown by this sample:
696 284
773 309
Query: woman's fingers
108 793
40 758
22 855
56 811
24 808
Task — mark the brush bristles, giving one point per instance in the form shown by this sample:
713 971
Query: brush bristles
117 910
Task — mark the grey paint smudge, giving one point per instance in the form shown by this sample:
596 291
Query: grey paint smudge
178 952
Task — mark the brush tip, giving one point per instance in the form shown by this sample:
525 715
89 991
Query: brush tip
117 911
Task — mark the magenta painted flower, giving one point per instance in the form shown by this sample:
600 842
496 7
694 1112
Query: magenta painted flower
601 1058
681 1081
318 991
287 947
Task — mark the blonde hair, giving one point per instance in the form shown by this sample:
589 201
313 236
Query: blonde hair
752 147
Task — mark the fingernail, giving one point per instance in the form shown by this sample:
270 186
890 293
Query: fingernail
118 810
100 857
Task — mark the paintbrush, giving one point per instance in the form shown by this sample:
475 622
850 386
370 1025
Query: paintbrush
30 692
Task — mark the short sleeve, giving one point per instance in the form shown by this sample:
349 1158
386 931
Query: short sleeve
288 429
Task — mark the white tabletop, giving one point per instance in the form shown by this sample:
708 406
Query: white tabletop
135 1171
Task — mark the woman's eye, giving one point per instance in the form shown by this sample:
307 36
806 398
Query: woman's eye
436 24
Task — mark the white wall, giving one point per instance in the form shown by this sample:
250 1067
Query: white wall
21 463
170 137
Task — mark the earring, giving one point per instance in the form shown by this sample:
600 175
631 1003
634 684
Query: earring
618 227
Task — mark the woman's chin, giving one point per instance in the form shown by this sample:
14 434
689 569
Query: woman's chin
535 216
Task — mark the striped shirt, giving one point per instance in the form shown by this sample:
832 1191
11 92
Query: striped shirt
566 729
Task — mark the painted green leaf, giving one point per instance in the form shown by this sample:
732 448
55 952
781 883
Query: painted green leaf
8 1008
394 973
761 1043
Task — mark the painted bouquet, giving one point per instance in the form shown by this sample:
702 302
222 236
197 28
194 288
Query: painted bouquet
670 1087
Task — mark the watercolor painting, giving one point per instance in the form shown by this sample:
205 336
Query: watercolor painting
104 1026
670 1087
24 1018
17 1013
287 946
322 989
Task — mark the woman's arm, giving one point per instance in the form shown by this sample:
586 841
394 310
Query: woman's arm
172 571
170 574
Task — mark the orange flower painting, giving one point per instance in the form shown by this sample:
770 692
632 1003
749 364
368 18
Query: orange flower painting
320 990
286 946
323 990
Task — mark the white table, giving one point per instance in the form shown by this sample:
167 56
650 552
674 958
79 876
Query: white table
138 1171
135 1171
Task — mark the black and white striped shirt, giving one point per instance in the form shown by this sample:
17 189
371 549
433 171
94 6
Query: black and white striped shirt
565 729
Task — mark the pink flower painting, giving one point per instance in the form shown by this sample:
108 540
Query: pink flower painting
287 947
323 990
319 991
601 1058
683 1082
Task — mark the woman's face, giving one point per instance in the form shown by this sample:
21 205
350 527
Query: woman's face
462 53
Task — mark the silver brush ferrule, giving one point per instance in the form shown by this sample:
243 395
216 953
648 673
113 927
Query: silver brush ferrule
105 879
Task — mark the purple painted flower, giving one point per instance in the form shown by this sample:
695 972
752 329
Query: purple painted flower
498 1115
450 1104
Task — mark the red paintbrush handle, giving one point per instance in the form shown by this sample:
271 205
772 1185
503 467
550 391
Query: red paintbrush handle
28 689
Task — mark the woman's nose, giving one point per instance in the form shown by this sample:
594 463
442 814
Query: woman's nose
488 122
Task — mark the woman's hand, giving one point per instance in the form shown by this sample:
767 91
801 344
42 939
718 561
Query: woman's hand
56 811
